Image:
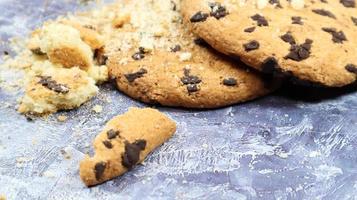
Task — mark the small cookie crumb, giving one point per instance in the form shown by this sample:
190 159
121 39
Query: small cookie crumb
62 118
186 56
65 154
97 108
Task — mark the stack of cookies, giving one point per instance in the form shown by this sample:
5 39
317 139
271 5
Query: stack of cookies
202 53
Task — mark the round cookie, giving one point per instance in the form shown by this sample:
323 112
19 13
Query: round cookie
313 41
159 61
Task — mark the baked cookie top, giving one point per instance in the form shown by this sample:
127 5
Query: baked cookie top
314 41
155 59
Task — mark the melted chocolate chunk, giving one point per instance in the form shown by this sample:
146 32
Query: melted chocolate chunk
300 52
354 20
46 81
324 13
190 80
269 65
351 68
252 45
141 144
199 17
38 52
99 57
192 88
348 3
99 169
337 36
131 155
176 48
230 82
112 134
261 21
297 20
138 56
108 144
217 10
133 76
287 37
249 30
275 2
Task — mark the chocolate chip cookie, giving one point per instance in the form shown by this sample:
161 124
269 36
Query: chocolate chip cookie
313 41
159 61
125 141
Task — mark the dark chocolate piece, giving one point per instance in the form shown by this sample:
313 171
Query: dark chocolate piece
199 17
133 76
46 81
99 169
230 82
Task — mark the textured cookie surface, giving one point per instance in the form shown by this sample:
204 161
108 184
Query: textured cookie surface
312 40
125 141
159 61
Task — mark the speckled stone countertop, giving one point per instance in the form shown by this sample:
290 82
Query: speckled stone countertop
299 143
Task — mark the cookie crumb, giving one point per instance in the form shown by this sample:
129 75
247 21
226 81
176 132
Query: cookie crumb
62 118
97 108
65 154
186 56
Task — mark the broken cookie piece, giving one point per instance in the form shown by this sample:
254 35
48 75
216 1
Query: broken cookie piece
52 88
125 141
63 45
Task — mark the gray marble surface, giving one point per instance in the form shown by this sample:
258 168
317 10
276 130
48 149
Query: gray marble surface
299 143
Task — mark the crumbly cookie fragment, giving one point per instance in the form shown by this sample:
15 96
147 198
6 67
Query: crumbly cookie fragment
321 44
125 142
52 88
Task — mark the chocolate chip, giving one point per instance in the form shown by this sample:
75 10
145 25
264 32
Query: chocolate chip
192 88
176 48
348 3
99 57
112 134
324 1
287 37
141 144
300 52
217 10
269 65
249 30
138 56
297 20
351 68
174 6
261 21
38 52
324 13
354 20
6 53
250 46
46 81
337 36
133 76
275 2
230 82
199 17
99 169
108 144
131 155
88 26
190 80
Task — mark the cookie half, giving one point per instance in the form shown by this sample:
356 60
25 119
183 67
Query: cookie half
159 61
314 41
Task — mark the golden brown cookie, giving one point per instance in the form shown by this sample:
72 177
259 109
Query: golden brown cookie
159 61
311 40
52 88
125 141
